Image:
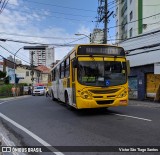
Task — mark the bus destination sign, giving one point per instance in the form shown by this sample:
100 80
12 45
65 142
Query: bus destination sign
100 50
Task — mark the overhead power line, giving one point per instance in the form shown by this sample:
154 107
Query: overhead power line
4 3
148 51
134 21
49 4
51 16
13 54
144 47
139 35
48 11
30 36
45 44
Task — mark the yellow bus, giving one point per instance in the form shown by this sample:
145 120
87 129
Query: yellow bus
91 76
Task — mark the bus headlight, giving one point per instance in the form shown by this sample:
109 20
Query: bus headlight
85 95
123 94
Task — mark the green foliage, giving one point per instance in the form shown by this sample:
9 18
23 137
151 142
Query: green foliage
2 74
6 80
5 90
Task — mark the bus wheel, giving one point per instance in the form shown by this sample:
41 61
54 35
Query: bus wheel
67 102
66 99
53 96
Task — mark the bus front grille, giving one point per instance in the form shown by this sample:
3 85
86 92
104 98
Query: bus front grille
105 102
109 91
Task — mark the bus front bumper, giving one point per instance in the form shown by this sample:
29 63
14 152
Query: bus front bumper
91 103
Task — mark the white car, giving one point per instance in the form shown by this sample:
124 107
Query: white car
39 90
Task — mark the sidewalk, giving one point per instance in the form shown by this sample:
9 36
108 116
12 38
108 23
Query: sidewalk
12 98
145 103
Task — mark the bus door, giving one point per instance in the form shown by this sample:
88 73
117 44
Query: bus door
73 81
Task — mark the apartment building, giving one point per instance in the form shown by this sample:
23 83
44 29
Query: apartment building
134 17
97 36
138 27
43 57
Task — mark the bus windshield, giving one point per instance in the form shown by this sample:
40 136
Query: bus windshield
102 73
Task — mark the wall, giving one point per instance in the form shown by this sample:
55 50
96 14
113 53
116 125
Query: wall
44 78
27 79
140 72
151 7
144 58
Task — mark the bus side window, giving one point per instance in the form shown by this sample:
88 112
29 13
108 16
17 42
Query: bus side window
57 73
67 67
62 70
53 74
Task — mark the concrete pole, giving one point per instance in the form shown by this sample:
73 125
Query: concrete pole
15 66
105 21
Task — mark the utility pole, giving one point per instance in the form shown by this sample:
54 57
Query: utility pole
105 22
32 53
32 72
104 15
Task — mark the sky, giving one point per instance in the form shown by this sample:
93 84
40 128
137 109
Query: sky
54 21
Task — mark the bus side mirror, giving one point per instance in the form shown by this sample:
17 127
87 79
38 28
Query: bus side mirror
75 63
128 67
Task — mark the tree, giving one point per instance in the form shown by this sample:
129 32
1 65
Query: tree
6 80
2 74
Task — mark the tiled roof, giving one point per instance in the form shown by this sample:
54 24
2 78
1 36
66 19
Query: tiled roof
43 69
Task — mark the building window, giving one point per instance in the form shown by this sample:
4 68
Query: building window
130 32
27 73
67 67
62 70
131 15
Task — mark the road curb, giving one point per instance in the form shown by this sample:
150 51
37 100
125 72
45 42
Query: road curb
5 141
13 98
144 103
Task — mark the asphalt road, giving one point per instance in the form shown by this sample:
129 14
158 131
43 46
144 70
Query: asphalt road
55 125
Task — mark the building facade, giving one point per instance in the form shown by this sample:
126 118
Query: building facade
138 31
134 17
97 36
41 74
144 57
43 57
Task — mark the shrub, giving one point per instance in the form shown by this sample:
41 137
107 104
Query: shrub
5 90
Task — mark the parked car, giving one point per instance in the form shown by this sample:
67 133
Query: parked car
39 90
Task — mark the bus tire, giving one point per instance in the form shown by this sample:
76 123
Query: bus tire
67 102
53 98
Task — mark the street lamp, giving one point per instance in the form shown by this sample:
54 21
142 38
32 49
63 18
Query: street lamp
81 34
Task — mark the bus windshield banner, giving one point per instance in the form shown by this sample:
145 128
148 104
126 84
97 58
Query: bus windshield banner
100 50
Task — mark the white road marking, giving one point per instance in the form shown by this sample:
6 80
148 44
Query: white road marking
3 102
44 143
13 99
144 119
